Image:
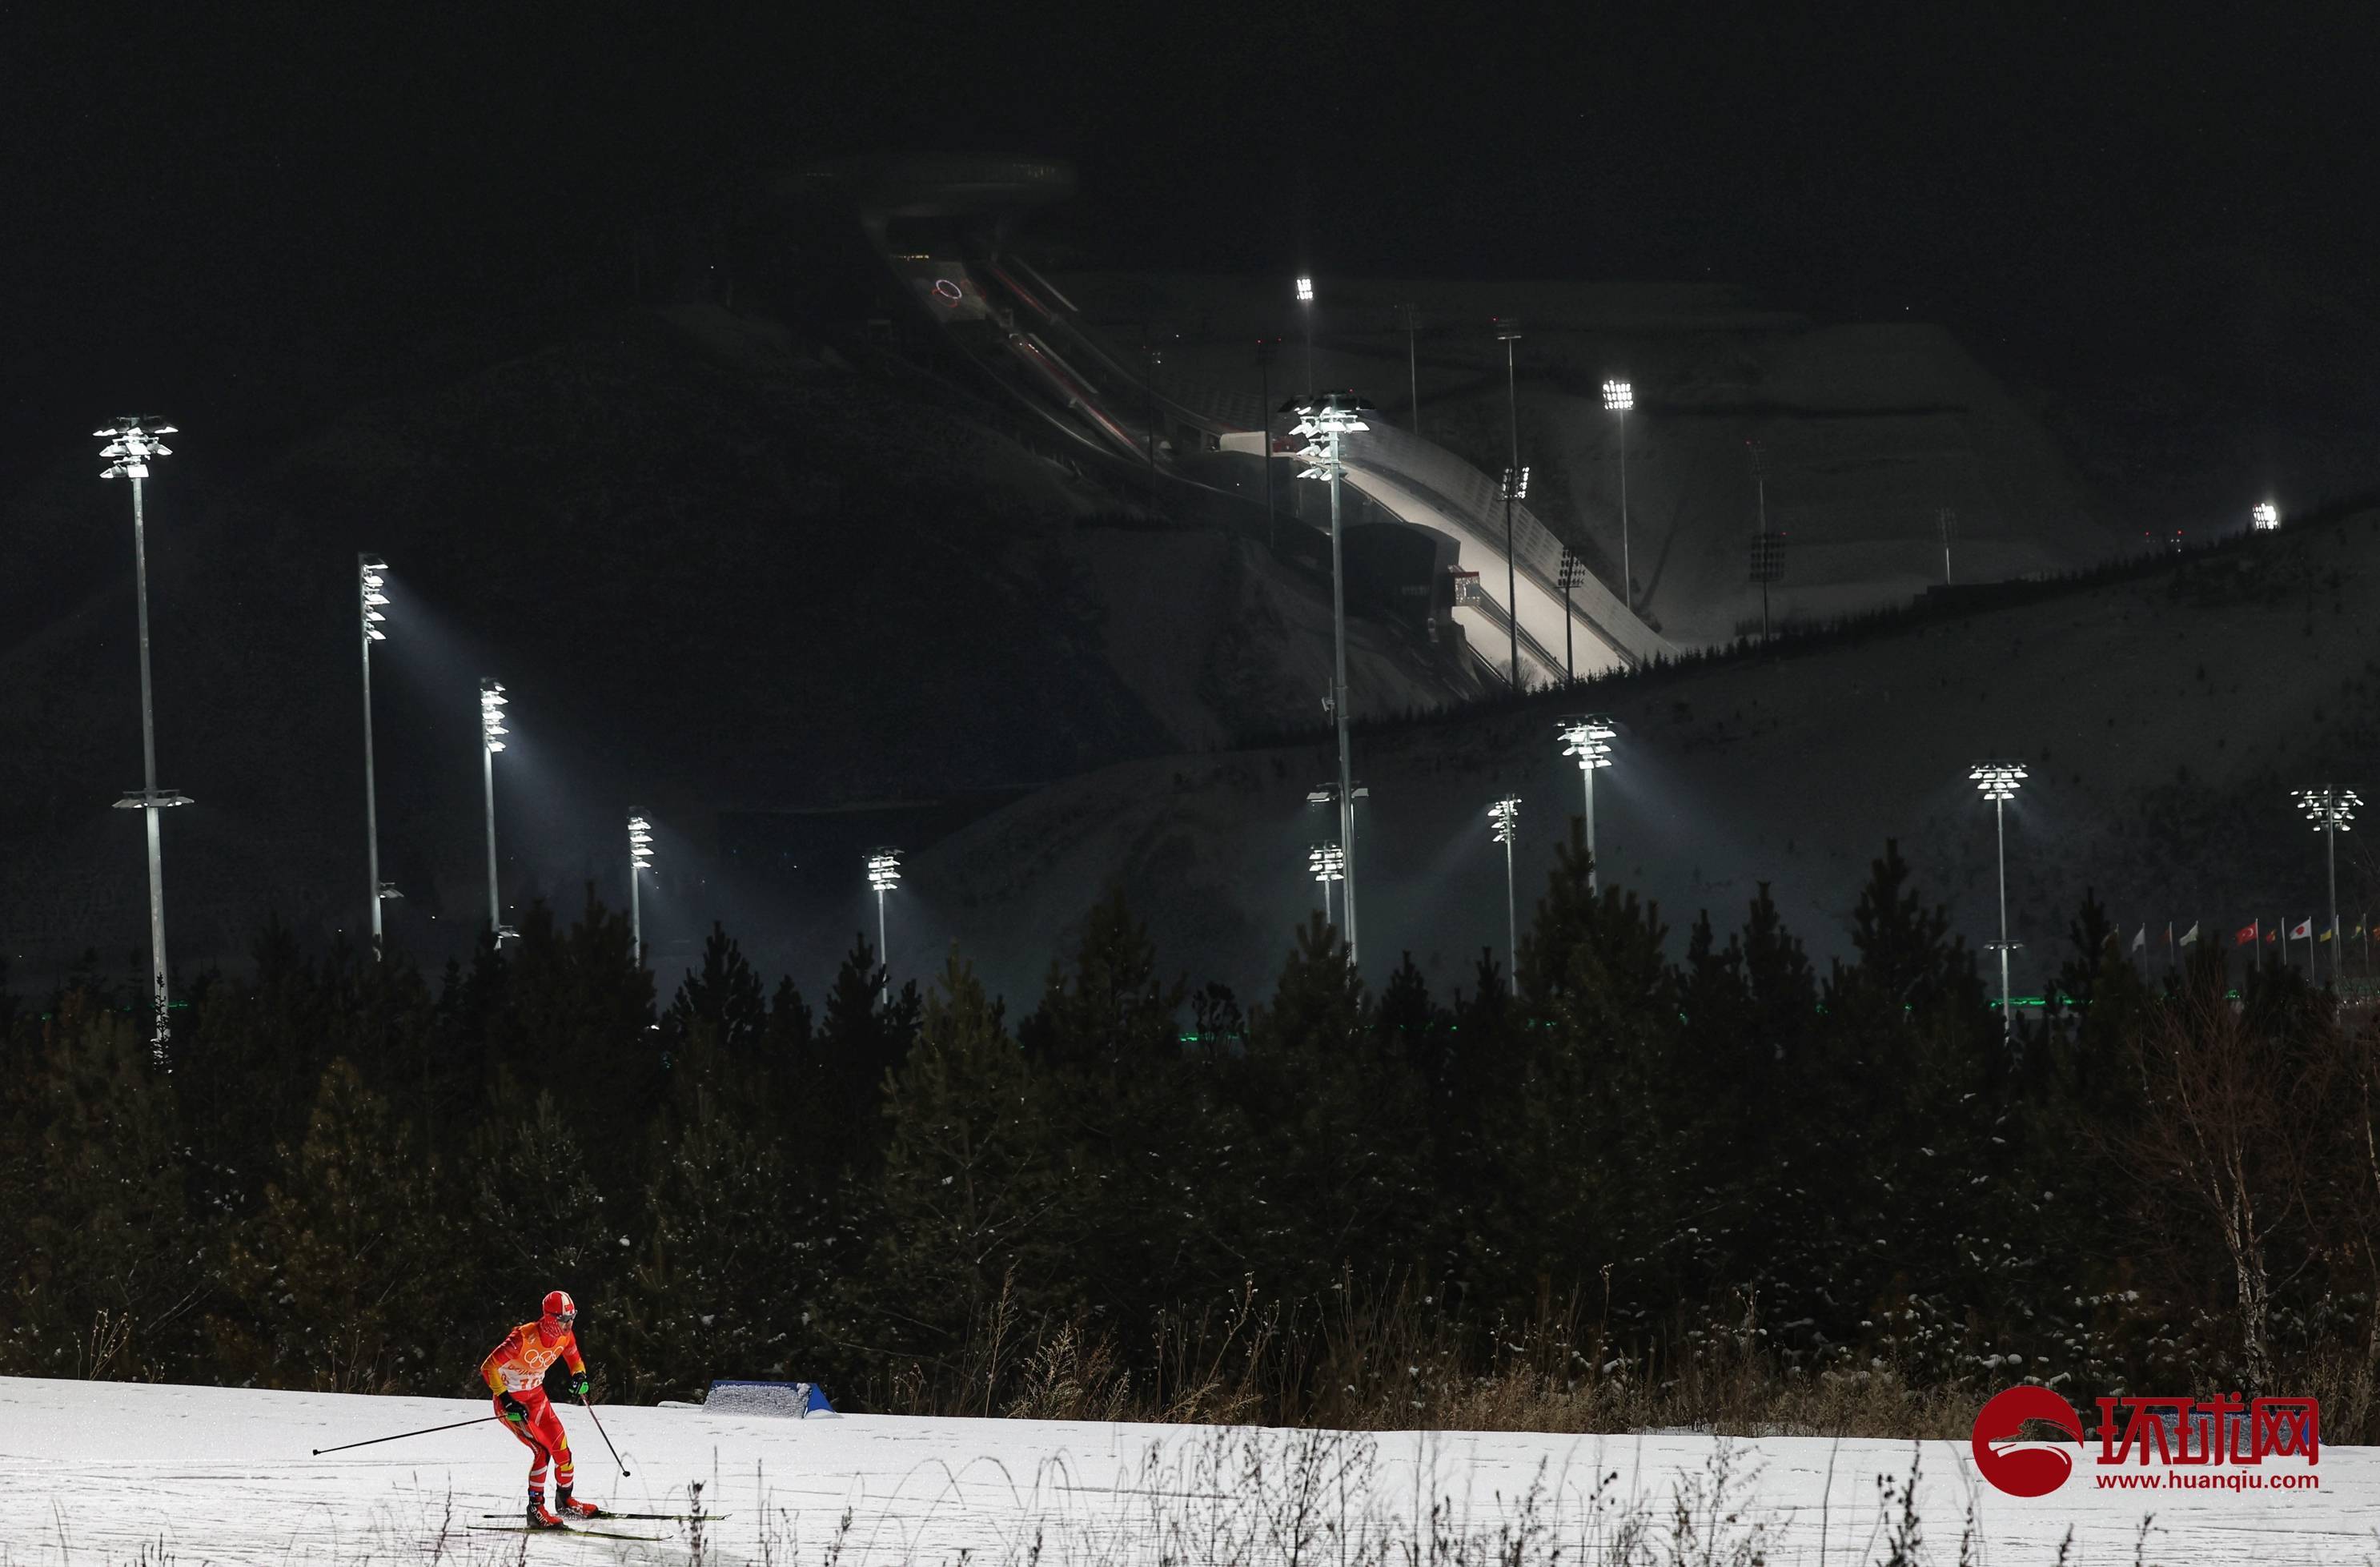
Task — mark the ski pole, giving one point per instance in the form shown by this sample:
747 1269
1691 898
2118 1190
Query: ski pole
402 1435
604 1434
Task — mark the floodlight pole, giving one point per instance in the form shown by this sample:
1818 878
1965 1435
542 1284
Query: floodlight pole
1618 396
1326 421
883 874
1627 570
1156 359
492 727
1509 333
1412 314
2000 780
1265 348
2332 808
2007 1005
1339 701
158 992
488 791
1588 738
1569 579
1306 300
1594 864
1512 918
132 443
1506 814
2330 853
1763 547
367 569
641 855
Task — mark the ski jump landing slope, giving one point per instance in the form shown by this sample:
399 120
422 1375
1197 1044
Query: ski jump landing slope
102 1472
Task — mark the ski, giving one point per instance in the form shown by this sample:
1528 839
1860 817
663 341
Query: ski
562 1529
651 1517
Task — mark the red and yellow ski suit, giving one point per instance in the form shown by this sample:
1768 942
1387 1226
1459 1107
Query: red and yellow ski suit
517 1367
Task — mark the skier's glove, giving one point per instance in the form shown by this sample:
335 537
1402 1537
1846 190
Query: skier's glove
513 1409
578 1384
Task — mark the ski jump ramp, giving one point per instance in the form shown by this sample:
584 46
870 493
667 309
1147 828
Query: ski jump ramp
1005 315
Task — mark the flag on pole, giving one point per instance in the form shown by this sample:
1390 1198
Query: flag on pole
2189 935
2302 930
2273 935
2247 935
2322 936
2141 939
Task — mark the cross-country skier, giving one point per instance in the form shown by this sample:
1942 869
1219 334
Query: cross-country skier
515 1372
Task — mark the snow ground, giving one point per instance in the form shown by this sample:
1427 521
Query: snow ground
96 1472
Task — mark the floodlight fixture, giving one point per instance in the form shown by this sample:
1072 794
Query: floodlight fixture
1505 817
132 443
1998 782
2268 516
1326 863
1586 738
370 581
1516 484
2329 810
1997 779
152 799
1323 420
1617 397
493 701
1306 290
1326 421
2332 811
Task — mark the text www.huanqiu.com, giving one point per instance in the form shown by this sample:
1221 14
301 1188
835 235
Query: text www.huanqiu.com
2206 1480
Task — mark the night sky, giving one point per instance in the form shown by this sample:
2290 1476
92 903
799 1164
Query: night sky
245 212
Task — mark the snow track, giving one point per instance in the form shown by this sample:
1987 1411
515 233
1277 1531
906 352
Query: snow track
99 1472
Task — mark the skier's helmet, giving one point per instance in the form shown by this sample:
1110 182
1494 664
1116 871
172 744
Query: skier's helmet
559 1310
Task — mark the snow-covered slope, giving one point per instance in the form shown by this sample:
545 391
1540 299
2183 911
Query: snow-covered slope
2166 718
95 1472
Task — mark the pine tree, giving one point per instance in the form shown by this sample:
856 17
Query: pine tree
103 1268
726 996
979 1196
740 1252
1339 1131
863 1038
538 1211
339 1283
